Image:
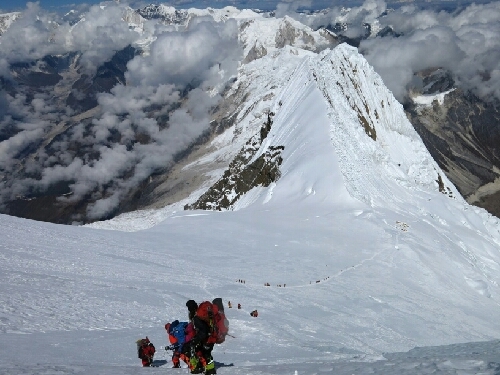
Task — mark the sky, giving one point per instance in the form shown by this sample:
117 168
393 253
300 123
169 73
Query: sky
66 5
371 268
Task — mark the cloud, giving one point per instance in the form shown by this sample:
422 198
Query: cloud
291 7
466 42
140 126
185 125
24 121
186 57
354 16
37 33
10 148
30 37
102 32
397 59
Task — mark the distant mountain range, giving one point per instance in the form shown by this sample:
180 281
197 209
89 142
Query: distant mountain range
79 144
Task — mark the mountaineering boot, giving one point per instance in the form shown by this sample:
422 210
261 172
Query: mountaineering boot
197 370
210 368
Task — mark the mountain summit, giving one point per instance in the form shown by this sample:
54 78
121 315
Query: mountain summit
356 130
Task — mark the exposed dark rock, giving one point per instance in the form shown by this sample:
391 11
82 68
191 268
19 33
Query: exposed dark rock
388 31
437 81
244 173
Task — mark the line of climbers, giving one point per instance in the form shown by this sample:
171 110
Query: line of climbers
254 313
193 341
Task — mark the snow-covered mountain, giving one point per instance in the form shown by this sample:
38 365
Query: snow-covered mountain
357 105
260 36
173 16
73 150
358 249
6 20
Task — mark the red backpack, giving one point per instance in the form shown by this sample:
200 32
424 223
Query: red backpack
216 320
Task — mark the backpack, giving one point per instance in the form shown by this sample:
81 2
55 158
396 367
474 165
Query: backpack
214 316
178 330
140 343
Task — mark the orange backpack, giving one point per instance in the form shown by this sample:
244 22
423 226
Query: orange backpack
216 319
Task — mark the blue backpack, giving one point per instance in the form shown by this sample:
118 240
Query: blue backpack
178 330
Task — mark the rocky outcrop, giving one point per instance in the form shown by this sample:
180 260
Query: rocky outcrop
244 173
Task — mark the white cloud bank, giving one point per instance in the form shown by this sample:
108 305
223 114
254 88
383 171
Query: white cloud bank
466 42
188 65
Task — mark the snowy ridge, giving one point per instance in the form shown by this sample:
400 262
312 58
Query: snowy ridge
377 148
170 15
219 15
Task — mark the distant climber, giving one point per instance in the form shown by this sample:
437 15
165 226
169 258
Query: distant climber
145 351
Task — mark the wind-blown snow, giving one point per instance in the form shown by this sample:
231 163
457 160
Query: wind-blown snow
364 255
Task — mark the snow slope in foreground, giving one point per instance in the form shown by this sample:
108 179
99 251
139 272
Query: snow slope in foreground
363 255
74 299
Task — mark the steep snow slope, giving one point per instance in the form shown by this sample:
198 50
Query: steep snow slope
357 119
362 106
